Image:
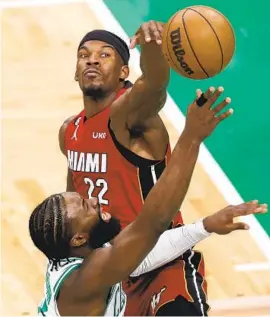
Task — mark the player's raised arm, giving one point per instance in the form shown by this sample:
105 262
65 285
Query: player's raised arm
107 266
148 94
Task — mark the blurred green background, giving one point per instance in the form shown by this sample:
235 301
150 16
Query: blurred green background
241 146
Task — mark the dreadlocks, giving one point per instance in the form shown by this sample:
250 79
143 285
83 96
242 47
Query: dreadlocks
48 229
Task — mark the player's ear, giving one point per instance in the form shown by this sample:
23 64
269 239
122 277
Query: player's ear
124 73
76 77
78 240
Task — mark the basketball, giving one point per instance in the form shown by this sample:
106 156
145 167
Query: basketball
198 42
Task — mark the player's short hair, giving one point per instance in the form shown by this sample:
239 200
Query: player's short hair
49 229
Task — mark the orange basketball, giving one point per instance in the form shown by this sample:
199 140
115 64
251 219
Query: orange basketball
198 42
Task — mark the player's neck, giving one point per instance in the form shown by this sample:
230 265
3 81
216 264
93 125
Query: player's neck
93 106
81 252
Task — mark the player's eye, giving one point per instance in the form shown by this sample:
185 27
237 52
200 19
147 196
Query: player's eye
82 55
105 54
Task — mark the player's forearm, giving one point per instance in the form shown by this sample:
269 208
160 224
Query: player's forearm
154 67
169 192
172 244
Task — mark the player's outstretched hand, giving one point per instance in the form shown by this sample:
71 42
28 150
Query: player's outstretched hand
203 116
149 31
222 222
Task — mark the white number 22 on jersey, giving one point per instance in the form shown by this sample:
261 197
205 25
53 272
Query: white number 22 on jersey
101 183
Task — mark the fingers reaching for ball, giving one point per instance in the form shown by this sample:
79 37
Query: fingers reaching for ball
152 31
207 94
202 98
149 31
215 110
203 115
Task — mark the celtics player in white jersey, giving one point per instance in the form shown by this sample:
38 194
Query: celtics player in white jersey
84 274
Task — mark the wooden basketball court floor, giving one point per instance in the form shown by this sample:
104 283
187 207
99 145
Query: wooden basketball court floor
39 42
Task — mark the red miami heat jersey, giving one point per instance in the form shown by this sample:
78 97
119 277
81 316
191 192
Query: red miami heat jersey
101 167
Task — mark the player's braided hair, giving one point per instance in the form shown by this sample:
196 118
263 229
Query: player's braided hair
48 229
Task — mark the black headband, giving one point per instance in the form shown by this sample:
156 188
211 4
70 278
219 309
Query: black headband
110 38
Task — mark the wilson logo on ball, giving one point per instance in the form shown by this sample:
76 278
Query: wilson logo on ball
179 52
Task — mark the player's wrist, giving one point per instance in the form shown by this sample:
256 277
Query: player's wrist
207 225
203 226
191 137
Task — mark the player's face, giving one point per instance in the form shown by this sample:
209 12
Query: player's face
89 224
99 69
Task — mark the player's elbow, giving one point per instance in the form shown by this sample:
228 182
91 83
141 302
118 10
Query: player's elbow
157 77
157 83
162 100
157 100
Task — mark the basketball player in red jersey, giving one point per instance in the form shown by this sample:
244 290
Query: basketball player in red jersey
117 151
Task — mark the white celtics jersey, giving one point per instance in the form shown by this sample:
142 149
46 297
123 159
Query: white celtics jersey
116 302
